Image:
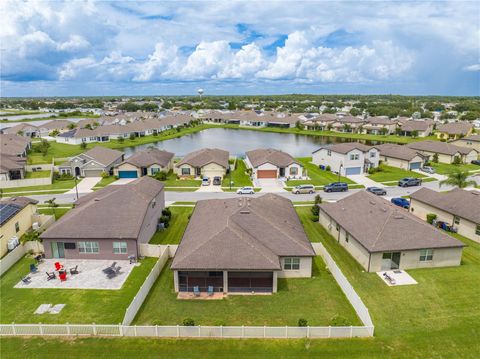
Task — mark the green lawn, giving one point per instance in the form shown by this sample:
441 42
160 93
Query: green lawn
390 173
172 181
105 181
59 212
445 168
56 186
238 176
317 176
82 306
37 174
173 234
317 299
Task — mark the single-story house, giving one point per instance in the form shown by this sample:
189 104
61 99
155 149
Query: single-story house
16 217
454 130
400 156
12 167
207 162
271 163
242 245
422 128
14 145
349 158
92 163
472 141
457 207
446 151
381 236
108 223
58 125
143 163
22 129
77 136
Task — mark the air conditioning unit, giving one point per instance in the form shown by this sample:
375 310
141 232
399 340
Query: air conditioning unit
13 243
35 226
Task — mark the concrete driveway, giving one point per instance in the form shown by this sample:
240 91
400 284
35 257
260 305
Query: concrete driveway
210 188
269 185
364 180
85 185
434 175
122 181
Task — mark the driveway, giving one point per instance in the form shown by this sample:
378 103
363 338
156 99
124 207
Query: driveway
269 185
85 185
123 181
364 180
210 188
434 175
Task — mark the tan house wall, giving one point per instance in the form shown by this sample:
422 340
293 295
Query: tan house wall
178 170
7 231
395 162
475 145
213 170
465 227
305 270
126 167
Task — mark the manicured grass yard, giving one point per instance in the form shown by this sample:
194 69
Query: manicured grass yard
59 212
55 187
238 176
172 181
82 306
316 299
390 173
445 168
105 181
317 176
173 234
37 174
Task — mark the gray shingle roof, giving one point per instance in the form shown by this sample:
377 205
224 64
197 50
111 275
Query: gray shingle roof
150 157
461 203
275 157
104 155
379 225
397 151
13 144
11 162
242 234
113 212
455 128
205 156
346 147
439 147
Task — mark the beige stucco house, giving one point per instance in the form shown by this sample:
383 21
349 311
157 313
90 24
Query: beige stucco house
381 236
207 162
271 163
143 163
457 207
400 156
446 151
472 141
454 130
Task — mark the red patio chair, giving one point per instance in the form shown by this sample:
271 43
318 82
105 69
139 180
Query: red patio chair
58 266
63 276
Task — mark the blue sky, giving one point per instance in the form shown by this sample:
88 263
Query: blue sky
146 48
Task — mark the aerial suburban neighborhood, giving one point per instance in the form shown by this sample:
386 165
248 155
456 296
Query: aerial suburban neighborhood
239 179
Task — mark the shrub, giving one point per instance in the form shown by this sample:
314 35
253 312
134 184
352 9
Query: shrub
318 199
189 322
435 158
62 177
302 322
165 220
83 145
339 321
457 160
315 218
30 236
167 213
315 210
132 136
431 217
120 139
328 168
155 134
161 176
105 175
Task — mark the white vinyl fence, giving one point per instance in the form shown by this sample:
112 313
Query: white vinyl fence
156 250
352 296
137 302
11 258
183 331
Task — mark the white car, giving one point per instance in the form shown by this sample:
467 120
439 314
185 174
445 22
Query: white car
245 190
205 181
427 169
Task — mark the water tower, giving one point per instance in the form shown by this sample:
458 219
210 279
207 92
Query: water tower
200 92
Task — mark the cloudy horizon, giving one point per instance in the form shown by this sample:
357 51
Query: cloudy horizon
95 48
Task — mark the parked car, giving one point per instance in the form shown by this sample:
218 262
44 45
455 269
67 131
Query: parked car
427 169
410 182
217 181
336 187
476 162
401 202
205 181
245 190
377 190
304 188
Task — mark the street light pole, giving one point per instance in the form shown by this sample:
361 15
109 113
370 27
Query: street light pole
76 188
340 171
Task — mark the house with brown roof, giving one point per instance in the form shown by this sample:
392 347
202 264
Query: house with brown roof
400 156
109 223
206 162
381 236
348 158
92 163
459 208
446 151
12 167
54 125
348 124
454 130
272 163
14 145
408 127
378 126
22 129
143 163
242 245
472 141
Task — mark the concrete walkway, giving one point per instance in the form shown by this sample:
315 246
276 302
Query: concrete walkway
85 185
364 180
433 175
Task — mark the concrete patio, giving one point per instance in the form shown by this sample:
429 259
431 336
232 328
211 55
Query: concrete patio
399 276
90 275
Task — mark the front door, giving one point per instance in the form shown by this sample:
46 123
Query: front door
391 260
198 171
77 171
282 172
58 250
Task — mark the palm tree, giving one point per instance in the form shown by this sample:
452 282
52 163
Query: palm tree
52 204
458 178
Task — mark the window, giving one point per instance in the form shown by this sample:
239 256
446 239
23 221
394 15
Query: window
456 220
426 255
17 227
354 156
88 247
291 264
120 247
329 153
477 230
155 170
185 171
293 171
373 154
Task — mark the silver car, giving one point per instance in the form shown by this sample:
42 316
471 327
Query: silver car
245 190
427 169
304 188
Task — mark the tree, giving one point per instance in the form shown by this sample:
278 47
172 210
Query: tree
83 145
435 158
88 126
72 126
355 111
458 178
44 146
52 204
347 128
120 139
383 131
299 125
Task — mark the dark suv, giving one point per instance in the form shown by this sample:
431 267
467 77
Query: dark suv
336 187
410 182
217 181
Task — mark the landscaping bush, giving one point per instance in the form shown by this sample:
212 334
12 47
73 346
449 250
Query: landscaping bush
339 321
62 177
120 139
105 175
315 218
328 168
435 158
431 217
302 322
165 220
457 160
83 145
318 199
161 176
189 322
132 136
30 236
167 212
315 210
155 134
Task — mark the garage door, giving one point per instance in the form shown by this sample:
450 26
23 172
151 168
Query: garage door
353 171
127 174
93 173
415 165
267 174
